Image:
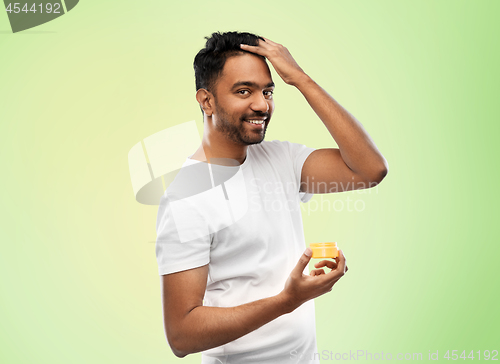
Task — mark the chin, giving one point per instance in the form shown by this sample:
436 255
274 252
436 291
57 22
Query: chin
255 141
251 138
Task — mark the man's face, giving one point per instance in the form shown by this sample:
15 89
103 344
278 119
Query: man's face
243 99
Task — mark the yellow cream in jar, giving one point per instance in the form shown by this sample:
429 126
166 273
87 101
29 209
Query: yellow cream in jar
324 250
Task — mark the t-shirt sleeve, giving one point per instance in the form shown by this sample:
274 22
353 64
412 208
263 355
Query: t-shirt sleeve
299 154
183 240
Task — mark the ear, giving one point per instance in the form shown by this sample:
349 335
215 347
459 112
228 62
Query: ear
205 99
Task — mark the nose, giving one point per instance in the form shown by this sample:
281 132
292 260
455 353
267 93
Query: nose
259 104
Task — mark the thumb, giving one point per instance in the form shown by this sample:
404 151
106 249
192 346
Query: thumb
302 263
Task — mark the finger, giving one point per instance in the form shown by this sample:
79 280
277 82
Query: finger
302 263
253 49
266 44
269 41
341 262
326 263
317 272
337 273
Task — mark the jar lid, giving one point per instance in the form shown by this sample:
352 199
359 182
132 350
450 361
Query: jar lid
323 245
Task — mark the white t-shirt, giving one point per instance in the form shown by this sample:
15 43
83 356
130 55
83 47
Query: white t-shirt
249 231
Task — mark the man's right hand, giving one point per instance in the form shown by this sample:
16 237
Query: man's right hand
300 287
191 327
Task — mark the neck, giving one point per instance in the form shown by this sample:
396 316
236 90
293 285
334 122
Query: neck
215 145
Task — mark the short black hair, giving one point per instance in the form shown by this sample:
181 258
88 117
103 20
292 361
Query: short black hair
210 61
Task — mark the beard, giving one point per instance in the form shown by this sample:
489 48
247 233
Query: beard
236 130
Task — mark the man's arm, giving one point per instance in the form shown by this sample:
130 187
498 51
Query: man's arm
357 163
191 327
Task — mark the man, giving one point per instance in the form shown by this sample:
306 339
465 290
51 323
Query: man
236 291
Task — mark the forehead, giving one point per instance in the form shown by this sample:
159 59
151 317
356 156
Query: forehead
245 68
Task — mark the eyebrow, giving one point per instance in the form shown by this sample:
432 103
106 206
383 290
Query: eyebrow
250 84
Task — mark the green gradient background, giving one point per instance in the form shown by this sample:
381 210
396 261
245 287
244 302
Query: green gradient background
78 273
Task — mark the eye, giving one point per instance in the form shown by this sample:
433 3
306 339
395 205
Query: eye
243 92
268 93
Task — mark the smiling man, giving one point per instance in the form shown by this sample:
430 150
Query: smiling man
239 293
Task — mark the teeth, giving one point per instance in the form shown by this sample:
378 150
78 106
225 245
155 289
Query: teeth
256 121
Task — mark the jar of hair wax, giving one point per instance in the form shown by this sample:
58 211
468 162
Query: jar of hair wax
324 250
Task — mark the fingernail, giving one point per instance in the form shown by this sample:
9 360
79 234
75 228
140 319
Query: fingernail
308 252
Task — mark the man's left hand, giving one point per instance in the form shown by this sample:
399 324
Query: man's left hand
280 58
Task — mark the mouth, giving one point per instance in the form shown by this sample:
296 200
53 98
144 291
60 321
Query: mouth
256 123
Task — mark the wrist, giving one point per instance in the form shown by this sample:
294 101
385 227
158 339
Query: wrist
302 80
286 302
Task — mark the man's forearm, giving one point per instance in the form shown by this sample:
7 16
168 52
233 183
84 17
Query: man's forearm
358 150
208 327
